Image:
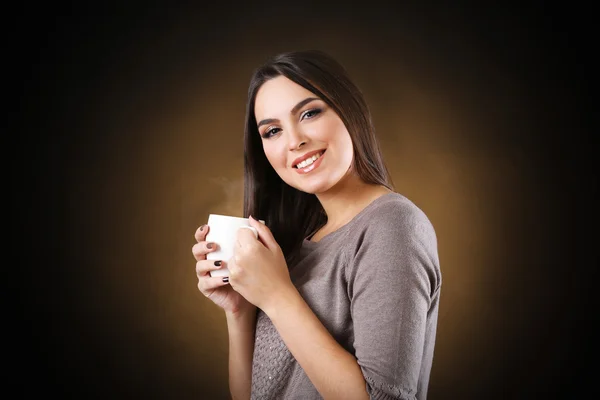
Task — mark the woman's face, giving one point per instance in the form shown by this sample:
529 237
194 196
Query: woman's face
305 141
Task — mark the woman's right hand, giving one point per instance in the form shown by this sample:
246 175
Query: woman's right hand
215 288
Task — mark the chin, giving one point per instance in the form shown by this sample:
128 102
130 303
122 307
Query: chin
316 188
316 185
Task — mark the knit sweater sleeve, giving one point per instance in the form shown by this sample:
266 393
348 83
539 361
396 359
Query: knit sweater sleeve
393 274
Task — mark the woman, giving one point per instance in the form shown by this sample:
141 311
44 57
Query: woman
338 298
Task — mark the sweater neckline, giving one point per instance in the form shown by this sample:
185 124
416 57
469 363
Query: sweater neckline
344 228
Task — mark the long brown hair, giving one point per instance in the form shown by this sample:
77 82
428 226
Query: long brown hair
291 214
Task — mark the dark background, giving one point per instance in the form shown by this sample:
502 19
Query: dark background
127 132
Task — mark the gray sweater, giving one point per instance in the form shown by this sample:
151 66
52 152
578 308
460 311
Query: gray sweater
375 285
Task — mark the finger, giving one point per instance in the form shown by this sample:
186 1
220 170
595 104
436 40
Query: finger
264 233
201 232
204 267
207 284
245 236
201 249
232 265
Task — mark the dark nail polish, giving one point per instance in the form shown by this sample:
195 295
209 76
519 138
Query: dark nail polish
209 245
202 227
217 263
226 279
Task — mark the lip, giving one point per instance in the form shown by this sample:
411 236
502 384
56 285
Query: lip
311 167
305 156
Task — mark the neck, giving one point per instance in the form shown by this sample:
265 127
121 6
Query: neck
347 199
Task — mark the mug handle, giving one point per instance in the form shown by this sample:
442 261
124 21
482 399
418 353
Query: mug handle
252 229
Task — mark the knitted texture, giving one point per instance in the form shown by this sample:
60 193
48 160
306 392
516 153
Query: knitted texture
375 286
272 361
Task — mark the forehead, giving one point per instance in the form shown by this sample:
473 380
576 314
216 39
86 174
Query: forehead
277 96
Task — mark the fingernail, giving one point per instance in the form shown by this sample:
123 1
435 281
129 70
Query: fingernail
217 263
209 245
202 227
226 279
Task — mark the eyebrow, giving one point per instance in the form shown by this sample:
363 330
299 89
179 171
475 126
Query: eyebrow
293 111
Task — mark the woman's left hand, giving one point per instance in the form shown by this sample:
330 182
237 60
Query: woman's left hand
258 270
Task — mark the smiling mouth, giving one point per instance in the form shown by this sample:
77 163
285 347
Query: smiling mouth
309 161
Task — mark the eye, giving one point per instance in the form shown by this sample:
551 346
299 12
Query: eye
308 114
270 132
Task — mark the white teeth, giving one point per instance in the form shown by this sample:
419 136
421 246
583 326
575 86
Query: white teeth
308 161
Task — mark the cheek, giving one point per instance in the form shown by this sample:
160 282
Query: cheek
346 152
346 148
340 135
274 156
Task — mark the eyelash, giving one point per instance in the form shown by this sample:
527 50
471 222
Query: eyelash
269 133
315 111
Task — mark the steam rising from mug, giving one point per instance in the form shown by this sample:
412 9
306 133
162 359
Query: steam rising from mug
234 195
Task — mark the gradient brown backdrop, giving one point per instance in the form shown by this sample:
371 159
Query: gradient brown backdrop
131 127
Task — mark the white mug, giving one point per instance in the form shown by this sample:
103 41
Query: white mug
222 231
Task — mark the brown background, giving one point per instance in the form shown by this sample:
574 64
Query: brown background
130 123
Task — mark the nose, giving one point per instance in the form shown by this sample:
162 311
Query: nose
296 139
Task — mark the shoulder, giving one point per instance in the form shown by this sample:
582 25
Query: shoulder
393 238
397 217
